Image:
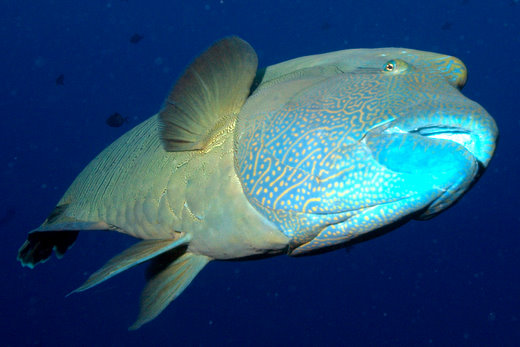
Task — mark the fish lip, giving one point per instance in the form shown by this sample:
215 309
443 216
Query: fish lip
429 130
466 139
435 129
462 136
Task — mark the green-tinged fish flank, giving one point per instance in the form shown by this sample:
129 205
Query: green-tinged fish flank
302 157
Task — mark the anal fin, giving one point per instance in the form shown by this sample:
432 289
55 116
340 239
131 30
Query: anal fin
137 254
168 284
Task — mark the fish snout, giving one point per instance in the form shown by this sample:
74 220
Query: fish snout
439 148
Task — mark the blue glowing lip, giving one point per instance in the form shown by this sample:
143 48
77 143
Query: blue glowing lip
463 137
438 131
458 135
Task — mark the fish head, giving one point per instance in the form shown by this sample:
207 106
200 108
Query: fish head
332 147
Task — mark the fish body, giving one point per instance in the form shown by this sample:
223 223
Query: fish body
302 157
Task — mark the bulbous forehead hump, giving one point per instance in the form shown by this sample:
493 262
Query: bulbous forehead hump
352 60
452 68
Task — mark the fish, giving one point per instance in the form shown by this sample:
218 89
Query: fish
136 38
60 80
116 120
302 157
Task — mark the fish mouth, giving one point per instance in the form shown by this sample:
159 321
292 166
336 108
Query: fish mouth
454 134
478 138
471 142
450 157
463 137
443 132
450 117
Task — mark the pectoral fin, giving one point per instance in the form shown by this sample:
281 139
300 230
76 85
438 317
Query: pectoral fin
213 87
137 254
167 285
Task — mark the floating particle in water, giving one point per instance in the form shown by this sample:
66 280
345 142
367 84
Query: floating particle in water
60 80
446 26
39 61
492 316
325 26
136 38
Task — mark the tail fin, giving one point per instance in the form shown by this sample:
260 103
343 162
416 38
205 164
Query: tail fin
57 233
39 246
168 284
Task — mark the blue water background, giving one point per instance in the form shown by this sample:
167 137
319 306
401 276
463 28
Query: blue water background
450 281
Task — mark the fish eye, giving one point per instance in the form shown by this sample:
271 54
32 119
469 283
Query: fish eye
395 66
390 66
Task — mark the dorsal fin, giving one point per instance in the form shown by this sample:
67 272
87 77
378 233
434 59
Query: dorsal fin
214 86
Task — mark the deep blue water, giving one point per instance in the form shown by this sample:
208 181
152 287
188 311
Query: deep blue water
453 280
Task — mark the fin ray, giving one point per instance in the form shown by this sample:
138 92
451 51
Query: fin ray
137 254
167 285
214 86
39 246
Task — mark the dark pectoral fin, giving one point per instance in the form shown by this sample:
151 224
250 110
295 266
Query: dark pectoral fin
39 246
